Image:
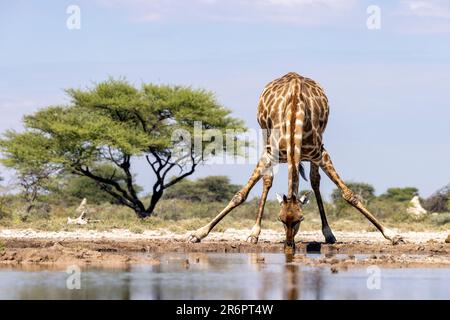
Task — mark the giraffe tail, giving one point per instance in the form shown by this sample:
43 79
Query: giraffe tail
301 169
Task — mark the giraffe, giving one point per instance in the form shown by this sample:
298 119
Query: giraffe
293 113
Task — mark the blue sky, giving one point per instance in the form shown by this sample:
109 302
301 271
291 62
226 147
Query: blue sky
388 88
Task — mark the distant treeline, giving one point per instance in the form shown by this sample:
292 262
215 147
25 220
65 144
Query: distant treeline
71 189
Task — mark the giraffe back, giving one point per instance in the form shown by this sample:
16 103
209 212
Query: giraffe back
275 108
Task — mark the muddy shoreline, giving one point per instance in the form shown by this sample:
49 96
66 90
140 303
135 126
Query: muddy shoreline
119 249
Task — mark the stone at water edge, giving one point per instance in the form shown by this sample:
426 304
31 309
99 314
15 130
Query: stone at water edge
448 239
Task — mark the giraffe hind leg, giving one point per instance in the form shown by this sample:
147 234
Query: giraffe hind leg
315 184
353 200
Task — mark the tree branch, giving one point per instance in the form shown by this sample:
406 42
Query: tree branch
141 120
129 181
111 157
179 178
112 183
117 196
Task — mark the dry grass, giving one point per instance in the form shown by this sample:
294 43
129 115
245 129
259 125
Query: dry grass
181 216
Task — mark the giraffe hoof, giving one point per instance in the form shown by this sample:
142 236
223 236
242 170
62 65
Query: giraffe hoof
330 239
398 239
394 237
194 239
252 239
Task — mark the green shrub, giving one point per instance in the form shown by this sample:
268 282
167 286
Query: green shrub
5 212
364 191
400 194
441 219
212 188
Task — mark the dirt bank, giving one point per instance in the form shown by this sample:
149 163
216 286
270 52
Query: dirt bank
121 247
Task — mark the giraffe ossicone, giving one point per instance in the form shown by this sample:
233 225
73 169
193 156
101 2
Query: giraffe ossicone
303 200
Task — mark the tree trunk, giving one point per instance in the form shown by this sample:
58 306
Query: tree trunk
151 208
142 214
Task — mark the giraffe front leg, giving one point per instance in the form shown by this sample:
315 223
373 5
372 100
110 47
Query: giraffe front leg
256 230
202 232
239 198
353 200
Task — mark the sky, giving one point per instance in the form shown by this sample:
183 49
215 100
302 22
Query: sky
388 86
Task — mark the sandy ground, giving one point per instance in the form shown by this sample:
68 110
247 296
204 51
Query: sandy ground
122 247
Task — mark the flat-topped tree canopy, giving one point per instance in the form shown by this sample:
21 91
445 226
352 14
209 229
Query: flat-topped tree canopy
115 122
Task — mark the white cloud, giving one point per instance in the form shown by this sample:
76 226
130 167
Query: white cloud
299 12
431 9
336 4
405 16
423 17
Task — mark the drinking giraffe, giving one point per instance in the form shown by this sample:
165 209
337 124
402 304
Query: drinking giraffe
293 113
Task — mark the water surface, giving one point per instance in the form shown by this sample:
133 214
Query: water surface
227 276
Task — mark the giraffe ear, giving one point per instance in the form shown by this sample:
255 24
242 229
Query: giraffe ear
304 199
279 198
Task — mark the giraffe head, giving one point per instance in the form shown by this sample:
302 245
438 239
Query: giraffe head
291 216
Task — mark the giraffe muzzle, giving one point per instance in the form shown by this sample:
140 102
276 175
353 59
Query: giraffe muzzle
289 246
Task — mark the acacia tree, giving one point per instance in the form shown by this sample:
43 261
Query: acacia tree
116 123
34 174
